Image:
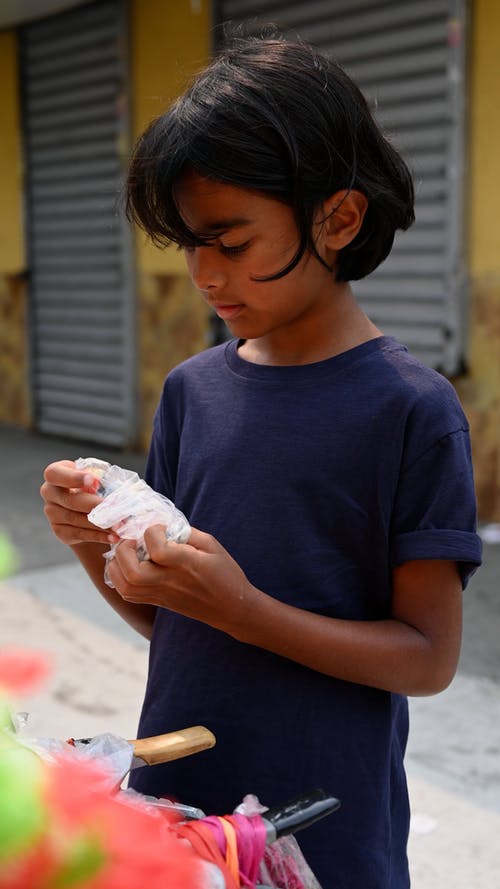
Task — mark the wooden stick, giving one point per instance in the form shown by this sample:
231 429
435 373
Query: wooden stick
174 745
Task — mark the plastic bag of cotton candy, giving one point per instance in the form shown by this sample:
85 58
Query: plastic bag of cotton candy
129 507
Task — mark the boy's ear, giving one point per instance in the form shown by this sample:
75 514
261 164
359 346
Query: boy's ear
341 218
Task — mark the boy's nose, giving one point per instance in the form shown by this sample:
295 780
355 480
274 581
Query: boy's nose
204 268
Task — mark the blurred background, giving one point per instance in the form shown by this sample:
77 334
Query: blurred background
92 318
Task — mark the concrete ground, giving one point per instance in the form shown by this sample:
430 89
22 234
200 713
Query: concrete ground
453 758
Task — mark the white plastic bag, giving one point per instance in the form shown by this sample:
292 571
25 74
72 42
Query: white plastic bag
130 506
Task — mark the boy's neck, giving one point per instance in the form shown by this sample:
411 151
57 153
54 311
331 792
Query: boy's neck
348 327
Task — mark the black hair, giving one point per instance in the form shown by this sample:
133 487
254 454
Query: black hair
280 118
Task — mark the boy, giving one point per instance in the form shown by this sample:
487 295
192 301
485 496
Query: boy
325 472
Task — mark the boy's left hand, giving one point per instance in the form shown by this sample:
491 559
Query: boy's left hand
198 579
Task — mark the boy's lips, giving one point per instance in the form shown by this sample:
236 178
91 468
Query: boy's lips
227 311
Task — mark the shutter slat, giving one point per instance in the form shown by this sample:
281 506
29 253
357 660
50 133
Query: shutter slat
77 400
90 74
382 286
54 382
64 367
403 90
80 114
100 435
53 333
414 114
67 280
82 351
105 204
74 188
87 57
67 315
67 44
96 95
52 247
318 9
59 262
87 17
408 64
50 157
86 171
80 295
373 46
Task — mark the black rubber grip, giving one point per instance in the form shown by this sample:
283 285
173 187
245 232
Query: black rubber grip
301 812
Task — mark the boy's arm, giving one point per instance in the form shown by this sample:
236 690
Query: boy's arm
415 652
66 506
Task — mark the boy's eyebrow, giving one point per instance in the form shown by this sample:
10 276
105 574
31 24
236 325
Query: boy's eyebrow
224 224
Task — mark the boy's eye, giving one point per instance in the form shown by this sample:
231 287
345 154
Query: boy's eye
233 249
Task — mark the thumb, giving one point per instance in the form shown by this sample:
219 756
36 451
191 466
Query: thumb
203 541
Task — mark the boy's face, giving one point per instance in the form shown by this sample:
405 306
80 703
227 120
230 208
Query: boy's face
256 236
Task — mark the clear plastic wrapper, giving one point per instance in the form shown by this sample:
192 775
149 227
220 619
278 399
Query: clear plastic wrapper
130 506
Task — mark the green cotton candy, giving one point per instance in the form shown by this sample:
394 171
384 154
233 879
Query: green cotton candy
84 861
9 560
6 721
22 814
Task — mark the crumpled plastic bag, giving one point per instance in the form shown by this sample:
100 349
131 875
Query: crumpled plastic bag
130 506
114 753
283 865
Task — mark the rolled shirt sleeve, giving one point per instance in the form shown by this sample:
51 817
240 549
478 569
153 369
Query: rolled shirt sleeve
435 510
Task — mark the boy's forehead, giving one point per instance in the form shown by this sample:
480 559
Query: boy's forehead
212 206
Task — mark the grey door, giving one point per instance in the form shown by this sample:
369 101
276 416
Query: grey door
81 285
408 58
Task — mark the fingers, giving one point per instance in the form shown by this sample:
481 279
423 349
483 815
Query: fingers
67 505
74 500
167 552
55 511
64 474
72 526
62 482
72 506
72 535
128 575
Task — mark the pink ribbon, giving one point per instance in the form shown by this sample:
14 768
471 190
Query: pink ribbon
251 840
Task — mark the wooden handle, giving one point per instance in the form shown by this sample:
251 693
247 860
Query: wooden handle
174 745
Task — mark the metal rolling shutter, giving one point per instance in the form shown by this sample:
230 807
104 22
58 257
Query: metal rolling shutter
407 56
79 256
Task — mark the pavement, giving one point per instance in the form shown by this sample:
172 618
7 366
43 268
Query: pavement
453 759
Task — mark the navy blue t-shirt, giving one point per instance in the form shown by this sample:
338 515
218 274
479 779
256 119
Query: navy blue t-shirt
319 480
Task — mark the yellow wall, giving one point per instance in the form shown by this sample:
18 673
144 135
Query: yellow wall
480 390
170 40
14 387
485 139
11 231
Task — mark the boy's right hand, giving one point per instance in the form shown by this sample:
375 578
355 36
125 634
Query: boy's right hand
67 503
